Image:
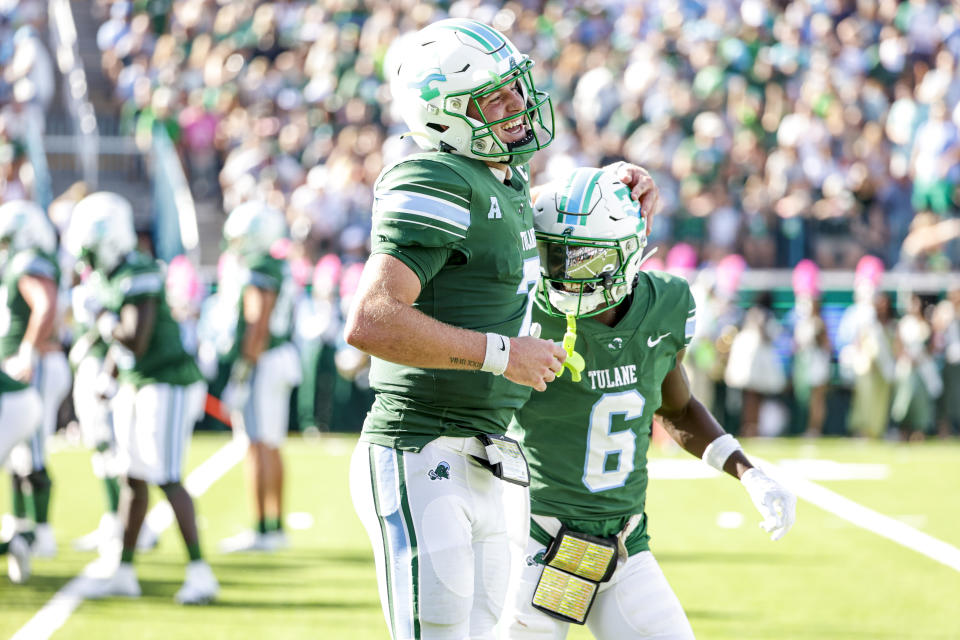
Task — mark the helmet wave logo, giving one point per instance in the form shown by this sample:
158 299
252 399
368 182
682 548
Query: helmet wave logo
442 472
428 92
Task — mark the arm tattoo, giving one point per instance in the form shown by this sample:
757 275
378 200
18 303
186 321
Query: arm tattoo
472 364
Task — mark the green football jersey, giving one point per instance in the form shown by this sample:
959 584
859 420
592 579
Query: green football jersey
9 385
14 310
264 272
139 278
586 442
469 238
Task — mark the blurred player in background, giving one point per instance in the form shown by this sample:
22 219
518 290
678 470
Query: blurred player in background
157 391
586 437
93 412
20 416
256 296
31 354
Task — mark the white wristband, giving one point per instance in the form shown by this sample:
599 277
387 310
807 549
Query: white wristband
121 356
719 450
498 354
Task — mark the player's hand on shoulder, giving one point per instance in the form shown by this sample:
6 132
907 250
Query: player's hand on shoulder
776 503
534 362
642 188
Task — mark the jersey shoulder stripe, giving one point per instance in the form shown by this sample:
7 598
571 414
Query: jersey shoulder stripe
29 263
416 206
139 284
262 280
453 198
423 200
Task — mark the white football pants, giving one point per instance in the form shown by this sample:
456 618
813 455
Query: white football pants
153 425
20 413
436 522
51 378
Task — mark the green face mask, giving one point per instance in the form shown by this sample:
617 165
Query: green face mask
538 115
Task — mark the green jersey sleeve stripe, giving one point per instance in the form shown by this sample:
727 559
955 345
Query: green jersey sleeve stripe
141 283
263 281
423 224
39 266
427 190
407 201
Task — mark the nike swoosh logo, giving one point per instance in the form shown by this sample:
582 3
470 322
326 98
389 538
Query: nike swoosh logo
652 343
503 347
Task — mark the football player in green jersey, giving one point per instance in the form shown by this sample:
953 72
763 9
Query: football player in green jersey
31 353
443 307
20 416
256 296
586 437
157 391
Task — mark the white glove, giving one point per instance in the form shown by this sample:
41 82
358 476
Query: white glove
776 504
236 395
237 392
105 386
22 365
106 323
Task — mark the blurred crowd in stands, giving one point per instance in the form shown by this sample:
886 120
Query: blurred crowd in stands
797 135
776 130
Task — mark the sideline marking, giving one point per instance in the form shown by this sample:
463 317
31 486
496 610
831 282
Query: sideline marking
64 602
864 517
809 468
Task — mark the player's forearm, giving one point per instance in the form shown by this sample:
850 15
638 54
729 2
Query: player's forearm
40 326
693 428
255 341
391 330
258 304
135 329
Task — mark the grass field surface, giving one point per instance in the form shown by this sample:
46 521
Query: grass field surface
827 579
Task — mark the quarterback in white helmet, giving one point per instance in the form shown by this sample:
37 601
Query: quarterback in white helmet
446 71
444 307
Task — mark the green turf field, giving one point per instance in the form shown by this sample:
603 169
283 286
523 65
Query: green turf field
828 579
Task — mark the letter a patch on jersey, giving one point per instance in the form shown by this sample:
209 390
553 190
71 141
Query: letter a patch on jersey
494 212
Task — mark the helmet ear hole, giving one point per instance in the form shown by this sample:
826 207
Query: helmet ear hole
437 127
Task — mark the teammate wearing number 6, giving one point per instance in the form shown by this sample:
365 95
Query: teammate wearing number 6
587 559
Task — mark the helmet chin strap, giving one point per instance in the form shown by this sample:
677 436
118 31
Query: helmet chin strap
522 150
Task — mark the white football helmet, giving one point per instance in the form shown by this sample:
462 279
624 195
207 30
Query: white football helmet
253 227
23 226
591 237
440 69
101 233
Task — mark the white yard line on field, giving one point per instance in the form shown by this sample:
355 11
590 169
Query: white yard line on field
890 528
58 609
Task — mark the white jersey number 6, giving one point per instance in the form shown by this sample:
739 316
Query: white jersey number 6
603 443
